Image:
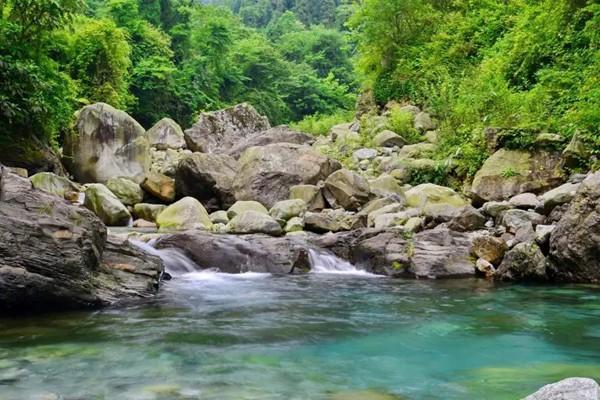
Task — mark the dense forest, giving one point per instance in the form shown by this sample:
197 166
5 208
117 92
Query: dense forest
531 65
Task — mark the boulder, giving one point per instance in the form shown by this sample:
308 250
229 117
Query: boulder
254 222
187 213
388 138
577 153
55 256
390 220
434 201
102 202
209 178
387 186
278 134
144 224
423 122
106 143
417 151
344 134
525 201
575 243
127 191
387 209
287 209
467 219
489 248
524 262
558 196
542 235
267 173
495 208
568 389
310 194
241 207
219 217
514 219
364 154
331 221
160 186
485 268
22 172
149 212
434 253
414 225
166 161
219 131
346 189
166 134
241 253
54 184
295 224
510 172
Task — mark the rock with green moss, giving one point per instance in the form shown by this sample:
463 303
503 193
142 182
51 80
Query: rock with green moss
148 212
414 224
387 138
166 134
577 153
100 200
187 213
510 172
160 186
54 184
286 209
424 122
106 143
346 189
310 194
331 221
219 217
388 209
254 222
126 190
418 150
525 262
387 186
295 224
240 207
428 194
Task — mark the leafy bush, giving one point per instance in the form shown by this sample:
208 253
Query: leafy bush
402 122
320 125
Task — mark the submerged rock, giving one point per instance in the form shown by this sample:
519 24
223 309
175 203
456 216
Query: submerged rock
55 256
106 143
219 131
246 253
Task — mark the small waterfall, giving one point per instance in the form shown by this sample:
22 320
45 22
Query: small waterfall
322 262
176 263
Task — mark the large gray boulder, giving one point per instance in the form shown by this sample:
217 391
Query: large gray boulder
106 143
267 173
254 222
568 389
209 178
245 253
219 131
346 189
575 242
435 253
278 134
510 172
55 256
166 134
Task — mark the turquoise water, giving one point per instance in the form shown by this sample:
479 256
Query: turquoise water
214 336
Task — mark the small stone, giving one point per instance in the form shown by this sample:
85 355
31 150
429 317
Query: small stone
387 138
295 224
485 267
364 154
240 207
495 208
286 209
219 217
142 223
542 234
525 201
423 122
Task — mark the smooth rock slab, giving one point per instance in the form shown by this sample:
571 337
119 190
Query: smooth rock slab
568 389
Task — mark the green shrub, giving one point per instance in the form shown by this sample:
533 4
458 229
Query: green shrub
402 122
320 125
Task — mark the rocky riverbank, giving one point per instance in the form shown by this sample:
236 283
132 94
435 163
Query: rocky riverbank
236 193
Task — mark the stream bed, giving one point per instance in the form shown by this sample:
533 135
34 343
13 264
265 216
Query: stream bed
320 336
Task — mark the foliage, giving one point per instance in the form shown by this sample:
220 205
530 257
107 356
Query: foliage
528 65
402 122
320 125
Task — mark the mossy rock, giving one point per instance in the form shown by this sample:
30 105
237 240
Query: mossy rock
187 213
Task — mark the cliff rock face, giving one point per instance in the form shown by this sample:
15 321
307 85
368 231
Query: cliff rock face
55 256
575 242
106 143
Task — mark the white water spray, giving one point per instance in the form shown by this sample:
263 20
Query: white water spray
176 263
322 262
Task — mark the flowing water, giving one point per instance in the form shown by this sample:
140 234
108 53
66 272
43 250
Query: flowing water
336 333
